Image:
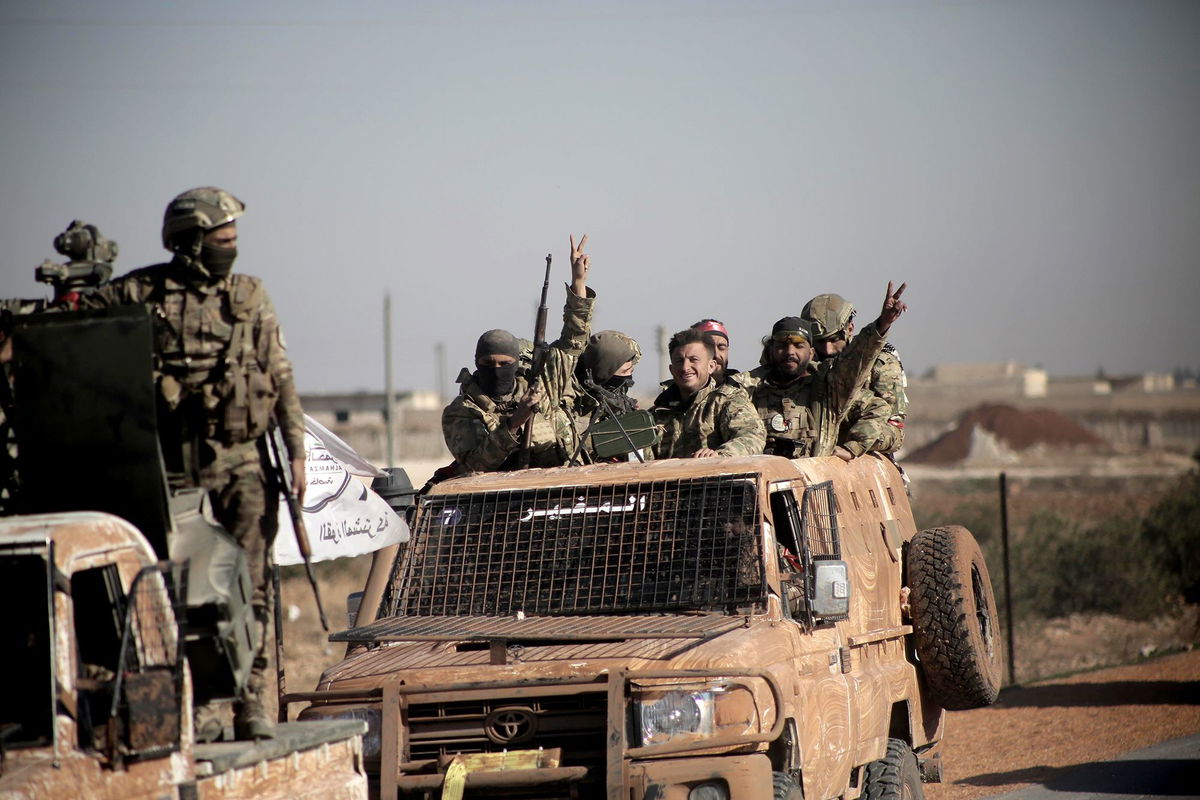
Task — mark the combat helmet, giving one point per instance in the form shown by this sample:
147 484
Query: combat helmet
828 315
193 213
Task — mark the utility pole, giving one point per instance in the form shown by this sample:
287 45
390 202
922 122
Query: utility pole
389 408
439 360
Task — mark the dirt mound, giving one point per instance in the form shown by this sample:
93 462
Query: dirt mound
1002 430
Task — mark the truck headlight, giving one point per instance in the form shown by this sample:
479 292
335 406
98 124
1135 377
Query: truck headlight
662 716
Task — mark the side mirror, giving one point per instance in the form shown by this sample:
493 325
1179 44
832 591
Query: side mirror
830 590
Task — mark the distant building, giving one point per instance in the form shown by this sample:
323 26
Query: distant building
360 419
1130 412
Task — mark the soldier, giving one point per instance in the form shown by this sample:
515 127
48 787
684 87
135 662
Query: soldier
222 374
720 341
483 425
832 321
803 408
606 368
700 418
603 378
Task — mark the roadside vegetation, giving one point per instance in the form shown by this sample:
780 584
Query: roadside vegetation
1103 570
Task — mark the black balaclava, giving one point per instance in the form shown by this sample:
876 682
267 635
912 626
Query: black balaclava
606 352
497 381
217 260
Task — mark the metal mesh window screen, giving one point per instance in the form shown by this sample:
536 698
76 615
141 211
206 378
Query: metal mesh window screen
154 640
819 520
667 545
147 694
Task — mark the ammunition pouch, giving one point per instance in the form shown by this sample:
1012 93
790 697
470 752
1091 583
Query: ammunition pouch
247 395
609 442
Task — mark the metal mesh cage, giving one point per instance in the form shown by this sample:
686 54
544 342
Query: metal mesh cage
150 668
667 545
819 518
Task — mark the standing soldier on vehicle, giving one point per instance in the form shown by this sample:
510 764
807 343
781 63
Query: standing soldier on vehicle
803 408
699 417
222 375
483 425
832 320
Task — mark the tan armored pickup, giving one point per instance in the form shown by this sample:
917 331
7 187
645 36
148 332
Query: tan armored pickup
685 630
98 696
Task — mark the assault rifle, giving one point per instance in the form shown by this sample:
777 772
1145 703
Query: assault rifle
540 348
284 477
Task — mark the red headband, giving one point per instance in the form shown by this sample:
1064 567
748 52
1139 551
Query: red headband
712 326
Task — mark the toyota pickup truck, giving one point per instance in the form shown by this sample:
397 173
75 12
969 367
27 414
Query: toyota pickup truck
702 629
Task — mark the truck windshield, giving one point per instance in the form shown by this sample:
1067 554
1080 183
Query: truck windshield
687 544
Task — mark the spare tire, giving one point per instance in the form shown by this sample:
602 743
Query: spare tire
955 624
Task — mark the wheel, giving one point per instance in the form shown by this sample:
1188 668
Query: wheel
955 624
895 776
784 787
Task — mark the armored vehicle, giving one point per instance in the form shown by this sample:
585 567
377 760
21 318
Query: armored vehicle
752 627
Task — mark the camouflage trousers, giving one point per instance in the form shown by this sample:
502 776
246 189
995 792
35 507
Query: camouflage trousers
247 506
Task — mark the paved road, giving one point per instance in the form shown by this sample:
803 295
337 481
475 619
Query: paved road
1170 769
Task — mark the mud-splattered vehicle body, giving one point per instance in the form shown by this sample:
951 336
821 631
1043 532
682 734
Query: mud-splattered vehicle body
98 701
701 629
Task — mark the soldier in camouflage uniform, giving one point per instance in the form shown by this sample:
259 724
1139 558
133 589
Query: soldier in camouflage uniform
700 418
876 421
803 408
719 336
483 425
222 374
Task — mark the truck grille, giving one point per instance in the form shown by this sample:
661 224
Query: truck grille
574 722
661 546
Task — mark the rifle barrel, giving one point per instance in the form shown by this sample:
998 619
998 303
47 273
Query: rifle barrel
297 515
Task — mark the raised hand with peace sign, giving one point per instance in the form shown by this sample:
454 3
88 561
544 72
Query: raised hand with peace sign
893 307
580 262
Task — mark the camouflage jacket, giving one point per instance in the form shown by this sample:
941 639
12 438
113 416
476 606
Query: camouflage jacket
476 426
876 421
220 343
802 418
719 417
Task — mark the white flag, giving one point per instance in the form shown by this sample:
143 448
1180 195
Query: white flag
344 517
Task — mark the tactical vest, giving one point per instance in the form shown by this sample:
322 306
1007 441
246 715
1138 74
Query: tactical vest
791 430
212 349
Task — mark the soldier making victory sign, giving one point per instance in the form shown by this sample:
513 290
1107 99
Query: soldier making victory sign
483 425
803 407
875 423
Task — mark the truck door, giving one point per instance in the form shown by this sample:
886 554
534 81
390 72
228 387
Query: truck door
807 527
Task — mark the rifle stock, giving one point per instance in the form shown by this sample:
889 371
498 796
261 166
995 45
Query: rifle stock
539 359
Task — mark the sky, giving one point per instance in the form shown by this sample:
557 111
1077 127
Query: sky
1029 168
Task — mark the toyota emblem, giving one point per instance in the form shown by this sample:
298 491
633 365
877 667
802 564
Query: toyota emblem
510 725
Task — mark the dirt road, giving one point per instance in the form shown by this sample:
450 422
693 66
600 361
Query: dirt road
1038 732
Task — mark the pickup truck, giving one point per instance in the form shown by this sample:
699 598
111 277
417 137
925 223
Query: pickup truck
98 698
702 629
